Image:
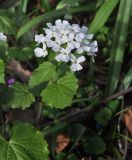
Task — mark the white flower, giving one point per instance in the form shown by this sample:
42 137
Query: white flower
39 38
71 43
55 46
64 54
41 52
49 33
84 29
93 47
62 57
65 40
2 37
79 37
75 28
84 47
76 62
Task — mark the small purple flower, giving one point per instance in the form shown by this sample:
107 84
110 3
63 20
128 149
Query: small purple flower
10 82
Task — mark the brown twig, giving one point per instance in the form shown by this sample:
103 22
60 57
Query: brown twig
121 93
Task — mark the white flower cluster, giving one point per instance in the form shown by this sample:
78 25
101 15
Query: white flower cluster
2 37
67 41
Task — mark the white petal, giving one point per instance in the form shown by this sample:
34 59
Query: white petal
94 49
93 44
49 43
73 67
79 67
49 25
67 50
45 53
70 46
65 23
64 39
75 28
84 29
85 42
71 36
39 52
44 46
62 57
80 50
79 37
76 44
81 59
76 67
55 47
58 22
72 58
2 37
86 48
58 41
49 33
89 36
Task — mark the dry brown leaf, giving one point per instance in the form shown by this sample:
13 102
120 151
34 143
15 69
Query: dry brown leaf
62 142
23 74
128 120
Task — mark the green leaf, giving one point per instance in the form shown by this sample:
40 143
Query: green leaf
103 116
20 97
102 15
60 94
21 54
26 143
113 106
2 71
6 22
23 5
43 73
127 79
94 145
118 45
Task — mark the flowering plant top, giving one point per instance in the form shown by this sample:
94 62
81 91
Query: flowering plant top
69 42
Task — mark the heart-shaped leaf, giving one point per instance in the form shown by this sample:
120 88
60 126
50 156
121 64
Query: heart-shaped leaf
60 94
94 145
26 143
20 96
43 73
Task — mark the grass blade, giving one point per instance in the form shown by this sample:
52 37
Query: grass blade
102 15
23 5
45 4
128 79
118 46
